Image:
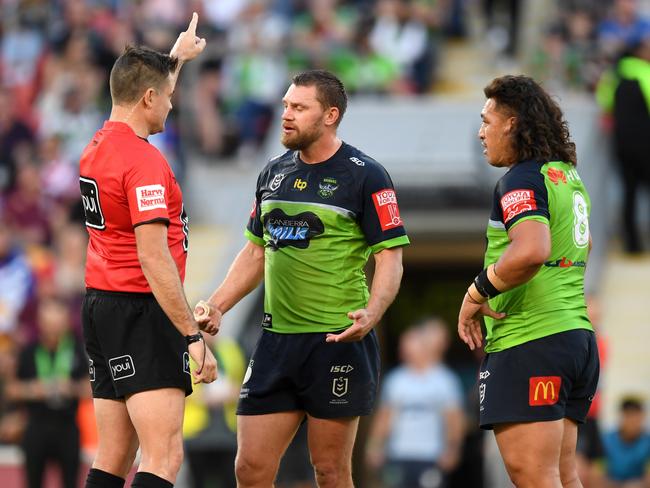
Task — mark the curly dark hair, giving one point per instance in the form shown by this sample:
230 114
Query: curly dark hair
541 131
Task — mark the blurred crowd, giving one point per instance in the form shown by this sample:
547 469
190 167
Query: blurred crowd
55 57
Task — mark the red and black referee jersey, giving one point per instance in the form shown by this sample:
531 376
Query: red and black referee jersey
126 182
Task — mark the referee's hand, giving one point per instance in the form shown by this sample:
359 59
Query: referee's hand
206 364
208 317
188 45
469 324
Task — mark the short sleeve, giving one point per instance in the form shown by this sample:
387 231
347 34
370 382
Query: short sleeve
521 195
380 220
147 186
254 230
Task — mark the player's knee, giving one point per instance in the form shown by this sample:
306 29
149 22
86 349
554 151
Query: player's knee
250 471
116 459
330 474
569 473
524 472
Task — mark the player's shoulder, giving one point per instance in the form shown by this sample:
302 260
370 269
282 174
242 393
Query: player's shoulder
280 162
522 174
362 166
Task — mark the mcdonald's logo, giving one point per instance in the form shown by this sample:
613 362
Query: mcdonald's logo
544 390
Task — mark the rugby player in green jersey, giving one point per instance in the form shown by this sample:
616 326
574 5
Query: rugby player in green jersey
541 369
320 210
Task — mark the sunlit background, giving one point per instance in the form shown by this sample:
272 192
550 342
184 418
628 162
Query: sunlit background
414 70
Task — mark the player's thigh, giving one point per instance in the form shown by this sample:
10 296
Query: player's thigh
263 439
530 445
331 441
117 439
157 416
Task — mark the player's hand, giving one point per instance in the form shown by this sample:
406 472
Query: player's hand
469 324
188 45
362 324
206 364
208 317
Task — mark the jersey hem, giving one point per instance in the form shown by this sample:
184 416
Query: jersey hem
546 333
152 221
389 243
537 218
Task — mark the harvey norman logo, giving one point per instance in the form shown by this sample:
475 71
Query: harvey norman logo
544 390
150 197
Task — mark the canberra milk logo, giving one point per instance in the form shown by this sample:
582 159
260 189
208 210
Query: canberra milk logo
121 367
150 197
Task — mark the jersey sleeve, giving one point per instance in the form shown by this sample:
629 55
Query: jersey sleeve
380 220
521 195
147 185
254 230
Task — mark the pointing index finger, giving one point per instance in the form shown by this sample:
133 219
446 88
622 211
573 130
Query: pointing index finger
191 29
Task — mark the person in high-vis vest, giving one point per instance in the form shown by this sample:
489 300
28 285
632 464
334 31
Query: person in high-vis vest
210 423
624 95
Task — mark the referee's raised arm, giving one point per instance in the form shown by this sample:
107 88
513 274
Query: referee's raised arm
139 331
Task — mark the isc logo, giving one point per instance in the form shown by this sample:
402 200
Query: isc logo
299 184
341 369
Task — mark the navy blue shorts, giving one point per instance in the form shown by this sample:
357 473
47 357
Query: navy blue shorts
551 378
290 372
132 345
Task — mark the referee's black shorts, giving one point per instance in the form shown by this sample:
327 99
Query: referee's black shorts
551 378
303 372
132 345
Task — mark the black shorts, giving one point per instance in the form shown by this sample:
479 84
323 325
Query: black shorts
132 345
303 372
546 379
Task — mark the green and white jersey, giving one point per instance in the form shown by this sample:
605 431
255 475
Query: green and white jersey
318 224
553 300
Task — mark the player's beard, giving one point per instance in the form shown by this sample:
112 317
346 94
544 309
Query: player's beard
300 140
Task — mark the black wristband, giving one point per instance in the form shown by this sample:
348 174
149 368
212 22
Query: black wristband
485 286
192 338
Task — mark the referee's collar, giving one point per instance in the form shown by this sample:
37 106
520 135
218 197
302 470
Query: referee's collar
122 127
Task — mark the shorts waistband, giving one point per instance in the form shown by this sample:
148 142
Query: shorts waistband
125 294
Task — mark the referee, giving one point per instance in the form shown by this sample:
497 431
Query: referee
138 328
540 373
320 210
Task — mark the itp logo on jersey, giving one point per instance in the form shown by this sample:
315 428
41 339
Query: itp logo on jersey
386 207
150 197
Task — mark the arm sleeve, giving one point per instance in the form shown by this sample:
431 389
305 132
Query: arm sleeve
147 185
254 230
380 219
521 195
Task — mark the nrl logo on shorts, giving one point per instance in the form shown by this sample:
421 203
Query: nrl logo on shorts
275 184
481 392
327 187
340 386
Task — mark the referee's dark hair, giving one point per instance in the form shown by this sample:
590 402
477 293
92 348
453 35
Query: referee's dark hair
329 89
540 131
136 70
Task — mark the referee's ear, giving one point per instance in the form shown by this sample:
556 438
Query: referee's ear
148 97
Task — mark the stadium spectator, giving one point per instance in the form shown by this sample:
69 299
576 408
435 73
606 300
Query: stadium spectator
14 135
17 285
623 27
416 436
624 94
627 448
51 376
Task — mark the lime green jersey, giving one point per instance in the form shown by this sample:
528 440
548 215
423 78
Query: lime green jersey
553 300
319 223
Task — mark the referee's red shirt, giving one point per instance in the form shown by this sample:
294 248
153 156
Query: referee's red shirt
126 182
